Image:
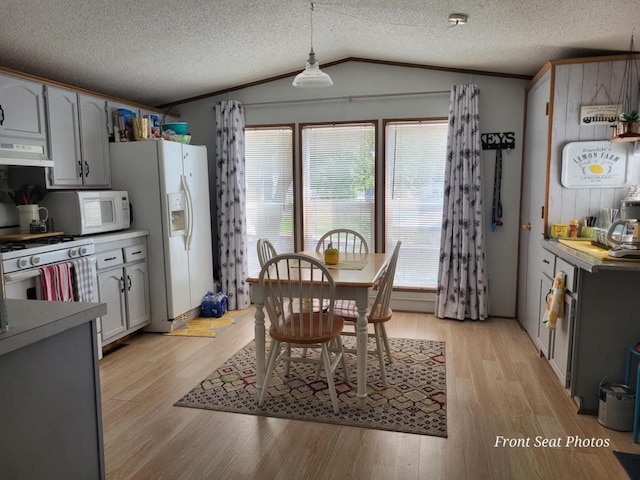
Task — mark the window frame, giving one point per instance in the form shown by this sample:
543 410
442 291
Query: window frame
383 196
376 166
292 128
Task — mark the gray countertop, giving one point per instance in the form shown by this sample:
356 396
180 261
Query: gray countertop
586 261
33 320
119 235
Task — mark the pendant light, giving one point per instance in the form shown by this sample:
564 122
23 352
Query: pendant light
312 76
628 127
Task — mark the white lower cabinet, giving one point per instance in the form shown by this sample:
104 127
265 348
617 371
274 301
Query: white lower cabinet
556 345
543 334
123 284
562 341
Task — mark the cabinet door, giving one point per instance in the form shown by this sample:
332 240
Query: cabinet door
138 310
64 134
111 291
562 342
543 336
96 170
22 110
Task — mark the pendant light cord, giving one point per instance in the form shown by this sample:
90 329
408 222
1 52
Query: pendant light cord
311 8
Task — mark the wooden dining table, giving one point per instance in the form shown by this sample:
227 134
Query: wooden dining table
351 284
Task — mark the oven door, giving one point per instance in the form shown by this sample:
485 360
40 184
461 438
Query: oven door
22 285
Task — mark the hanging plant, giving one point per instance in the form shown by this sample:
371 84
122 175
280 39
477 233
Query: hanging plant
630 122
632 117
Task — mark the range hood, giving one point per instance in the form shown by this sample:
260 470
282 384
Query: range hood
24 155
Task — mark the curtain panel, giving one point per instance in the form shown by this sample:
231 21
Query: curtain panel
462 283
231 203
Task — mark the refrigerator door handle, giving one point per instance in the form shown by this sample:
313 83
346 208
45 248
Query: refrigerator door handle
187 192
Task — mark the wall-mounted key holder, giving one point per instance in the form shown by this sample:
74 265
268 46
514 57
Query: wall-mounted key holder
495 141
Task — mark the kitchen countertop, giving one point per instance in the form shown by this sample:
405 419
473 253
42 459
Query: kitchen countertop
119 235
33 320
585 261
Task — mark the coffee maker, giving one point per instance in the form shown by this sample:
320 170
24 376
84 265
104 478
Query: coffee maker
624 235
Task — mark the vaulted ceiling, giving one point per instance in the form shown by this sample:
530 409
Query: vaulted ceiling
157 52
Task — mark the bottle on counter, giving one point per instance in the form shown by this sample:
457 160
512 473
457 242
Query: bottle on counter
573 229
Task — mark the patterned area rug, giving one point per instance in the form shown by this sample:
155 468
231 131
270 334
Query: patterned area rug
414 401
208 327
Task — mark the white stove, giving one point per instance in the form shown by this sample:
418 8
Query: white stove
21 262
20 256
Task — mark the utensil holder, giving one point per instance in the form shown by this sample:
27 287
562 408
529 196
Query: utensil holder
29 213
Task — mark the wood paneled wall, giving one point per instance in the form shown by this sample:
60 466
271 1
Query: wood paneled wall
575 85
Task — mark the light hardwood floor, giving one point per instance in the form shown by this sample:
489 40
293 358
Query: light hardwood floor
497 385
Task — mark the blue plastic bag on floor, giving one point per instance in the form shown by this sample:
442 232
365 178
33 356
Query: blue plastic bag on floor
214 305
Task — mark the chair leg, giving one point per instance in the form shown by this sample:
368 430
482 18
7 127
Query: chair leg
383 373
286 371
274 352
386 342
332 387
340 351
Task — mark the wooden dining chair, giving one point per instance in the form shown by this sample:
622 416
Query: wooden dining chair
344 240
266 251
306 328
378 313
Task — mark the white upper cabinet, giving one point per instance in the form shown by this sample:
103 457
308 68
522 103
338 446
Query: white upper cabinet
79 140
22 111
96 163
64 131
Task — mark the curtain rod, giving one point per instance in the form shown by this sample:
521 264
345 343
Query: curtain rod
348 97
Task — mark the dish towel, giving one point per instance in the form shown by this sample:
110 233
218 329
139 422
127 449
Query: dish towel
83 273
55 283
555 301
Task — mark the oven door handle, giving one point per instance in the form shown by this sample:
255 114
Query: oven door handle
18 276
32 272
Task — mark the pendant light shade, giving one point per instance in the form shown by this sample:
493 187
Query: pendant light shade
312 76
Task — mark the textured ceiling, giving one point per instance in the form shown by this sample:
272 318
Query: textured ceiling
158 52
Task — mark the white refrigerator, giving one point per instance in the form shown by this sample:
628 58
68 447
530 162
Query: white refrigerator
168 185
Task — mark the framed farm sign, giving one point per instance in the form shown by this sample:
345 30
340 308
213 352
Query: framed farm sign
600 164
599 114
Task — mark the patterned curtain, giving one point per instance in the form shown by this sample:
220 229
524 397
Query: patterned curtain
462 284
230 189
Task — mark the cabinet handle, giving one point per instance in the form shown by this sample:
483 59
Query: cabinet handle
136 253
121 285
546 261
109 259
129 280
1 117
86 166
80 168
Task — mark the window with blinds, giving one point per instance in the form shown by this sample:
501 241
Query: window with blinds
414 189
269 189
338 179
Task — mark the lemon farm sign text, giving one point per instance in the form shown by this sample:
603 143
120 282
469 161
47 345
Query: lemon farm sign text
601 164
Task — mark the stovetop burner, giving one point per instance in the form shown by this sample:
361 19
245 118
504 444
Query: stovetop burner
14 245
11 247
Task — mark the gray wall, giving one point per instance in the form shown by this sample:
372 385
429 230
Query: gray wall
501 110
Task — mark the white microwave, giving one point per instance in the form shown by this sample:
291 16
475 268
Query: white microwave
88 211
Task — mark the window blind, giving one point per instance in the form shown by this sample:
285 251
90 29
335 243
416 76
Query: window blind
414 190
338 180
269 189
